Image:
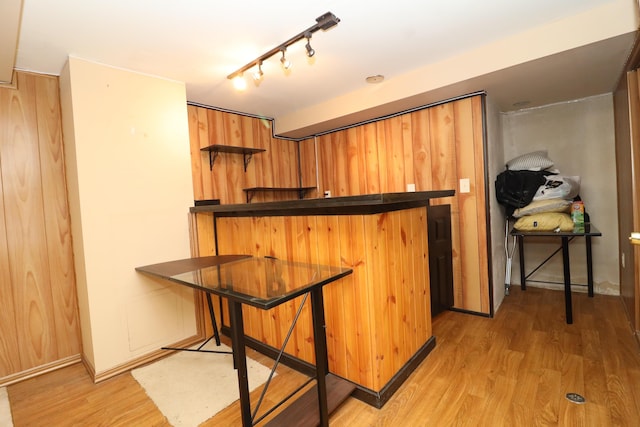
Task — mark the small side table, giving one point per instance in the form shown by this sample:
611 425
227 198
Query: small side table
587 231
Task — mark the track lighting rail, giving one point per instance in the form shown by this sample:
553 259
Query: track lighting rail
324 22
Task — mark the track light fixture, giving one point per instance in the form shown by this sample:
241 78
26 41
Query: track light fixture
310 51
257 75
286 64
324 22
239 82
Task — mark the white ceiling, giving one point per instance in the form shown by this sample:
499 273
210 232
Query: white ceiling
200 42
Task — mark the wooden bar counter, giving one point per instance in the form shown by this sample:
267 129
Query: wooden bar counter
378 320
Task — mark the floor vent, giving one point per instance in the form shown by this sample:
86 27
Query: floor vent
575 398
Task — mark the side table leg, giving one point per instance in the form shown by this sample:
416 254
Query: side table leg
589 266
523 276
567 280
320 344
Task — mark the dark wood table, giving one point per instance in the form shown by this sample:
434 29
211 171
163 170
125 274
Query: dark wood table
587 231
264 283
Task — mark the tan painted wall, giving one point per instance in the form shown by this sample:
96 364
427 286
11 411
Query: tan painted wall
129 184
615 18
579 137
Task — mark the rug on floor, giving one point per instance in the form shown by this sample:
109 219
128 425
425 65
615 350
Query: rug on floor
5 409
189 388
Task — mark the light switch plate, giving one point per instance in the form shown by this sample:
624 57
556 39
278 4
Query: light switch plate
465 187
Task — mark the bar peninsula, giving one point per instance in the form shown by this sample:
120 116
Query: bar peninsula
378 319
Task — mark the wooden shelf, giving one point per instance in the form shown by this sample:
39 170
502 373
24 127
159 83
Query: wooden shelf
300 190
304 411
216 149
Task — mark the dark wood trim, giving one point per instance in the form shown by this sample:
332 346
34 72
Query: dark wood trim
368 396
304 411
337 129
487 201
474 313
349 205
378 399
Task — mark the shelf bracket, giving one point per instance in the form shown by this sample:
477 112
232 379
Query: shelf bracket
213 155
247 159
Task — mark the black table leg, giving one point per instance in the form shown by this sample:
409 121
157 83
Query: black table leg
214 324
322 361
240 360
589 266
567 280
523 276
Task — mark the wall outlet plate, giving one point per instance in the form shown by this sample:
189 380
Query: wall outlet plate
465 186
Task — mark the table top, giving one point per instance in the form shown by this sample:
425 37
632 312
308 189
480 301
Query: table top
347 205
260 282
587 229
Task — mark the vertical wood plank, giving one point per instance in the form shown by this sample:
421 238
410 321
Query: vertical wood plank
234 162
325 156
329 249
395 154
26 235
57 222
9 354
355 166
445 176
212 185
407 154
383 160
356 292
250 138
308 168
197 172
468 225
481 207
373 167
395 285
377 272
420 268
300 230
421 150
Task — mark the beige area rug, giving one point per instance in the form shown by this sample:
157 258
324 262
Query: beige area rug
189 387
5 409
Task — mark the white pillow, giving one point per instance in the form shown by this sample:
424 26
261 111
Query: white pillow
534 161
541 206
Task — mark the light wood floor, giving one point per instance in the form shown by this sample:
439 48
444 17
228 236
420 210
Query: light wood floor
513 370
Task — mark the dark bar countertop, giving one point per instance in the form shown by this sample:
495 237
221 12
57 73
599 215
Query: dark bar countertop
349 205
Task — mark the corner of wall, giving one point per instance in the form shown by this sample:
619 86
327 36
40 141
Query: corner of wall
71 171
495 164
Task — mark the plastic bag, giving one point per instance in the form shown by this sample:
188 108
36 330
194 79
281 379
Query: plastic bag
558 187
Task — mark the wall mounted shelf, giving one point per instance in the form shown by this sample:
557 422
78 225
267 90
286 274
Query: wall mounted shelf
215 149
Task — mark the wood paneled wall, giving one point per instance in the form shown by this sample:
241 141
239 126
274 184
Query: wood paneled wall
432 148
377 318
38 320
276 167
